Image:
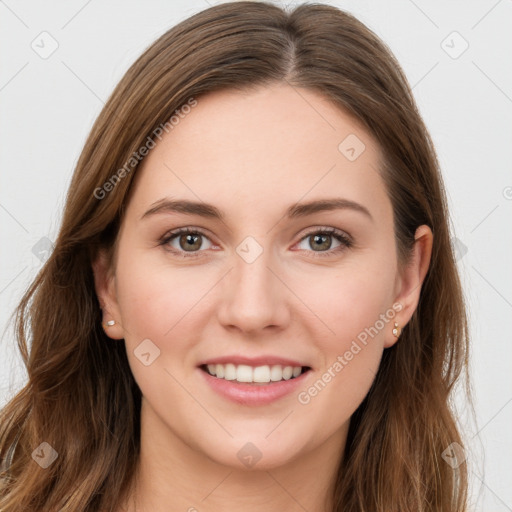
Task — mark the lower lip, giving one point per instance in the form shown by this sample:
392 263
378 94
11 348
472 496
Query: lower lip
254 394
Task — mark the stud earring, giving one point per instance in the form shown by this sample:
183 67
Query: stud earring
110 323
396 330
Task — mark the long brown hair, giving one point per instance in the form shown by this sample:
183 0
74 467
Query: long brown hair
81 397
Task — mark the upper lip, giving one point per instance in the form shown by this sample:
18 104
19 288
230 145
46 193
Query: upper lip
253 361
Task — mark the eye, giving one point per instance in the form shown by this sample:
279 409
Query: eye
188 240
322 239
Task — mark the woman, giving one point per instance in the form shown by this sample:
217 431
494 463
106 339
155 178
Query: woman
252 299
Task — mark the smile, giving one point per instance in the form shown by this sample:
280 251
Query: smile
254 385
255 375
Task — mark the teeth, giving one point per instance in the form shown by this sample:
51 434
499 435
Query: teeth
276 373
243 373
246 373
219 370
261 374
230 372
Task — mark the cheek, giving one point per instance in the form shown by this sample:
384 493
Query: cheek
160 305
355 309
351 353
156 302
359 309
348 301
167 304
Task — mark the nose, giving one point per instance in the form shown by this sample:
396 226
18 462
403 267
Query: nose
254 296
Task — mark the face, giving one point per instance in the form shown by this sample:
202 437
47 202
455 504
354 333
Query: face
262 286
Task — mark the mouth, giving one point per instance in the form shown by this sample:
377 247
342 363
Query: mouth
262 375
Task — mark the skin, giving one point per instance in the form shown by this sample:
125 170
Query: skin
253 155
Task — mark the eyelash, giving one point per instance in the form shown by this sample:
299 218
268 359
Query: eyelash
345 241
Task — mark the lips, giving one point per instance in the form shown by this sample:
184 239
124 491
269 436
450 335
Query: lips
253 394
263 379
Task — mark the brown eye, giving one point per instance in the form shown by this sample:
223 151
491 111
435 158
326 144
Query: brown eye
184 241
189 242
320 241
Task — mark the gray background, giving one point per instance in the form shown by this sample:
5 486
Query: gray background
49 102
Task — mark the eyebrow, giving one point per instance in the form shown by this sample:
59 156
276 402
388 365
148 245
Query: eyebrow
298 210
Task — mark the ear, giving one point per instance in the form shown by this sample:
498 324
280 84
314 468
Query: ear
105 285
410 279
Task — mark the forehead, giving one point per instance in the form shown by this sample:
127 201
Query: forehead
260 151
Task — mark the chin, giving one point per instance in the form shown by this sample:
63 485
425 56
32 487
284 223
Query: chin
254 452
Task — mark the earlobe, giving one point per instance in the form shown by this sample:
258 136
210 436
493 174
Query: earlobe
412 277
104 284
